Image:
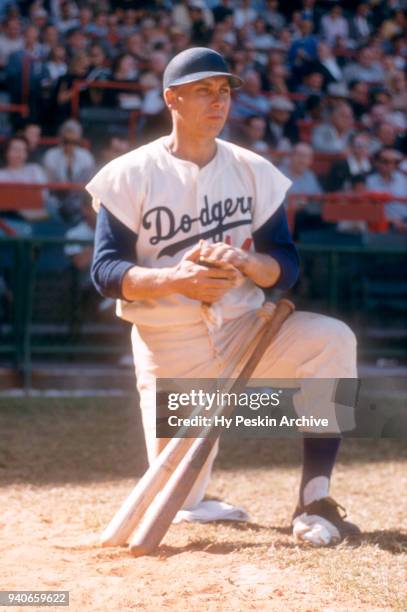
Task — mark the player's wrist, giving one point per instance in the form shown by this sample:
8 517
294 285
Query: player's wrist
247 265
171 280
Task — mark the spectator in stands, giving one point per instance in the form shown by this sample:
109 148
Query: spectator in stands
49 39
305 47
356 163
223 11
357 187
328 65
386 134
333 137
375 115
276 80
32 134
249 99
157 63
201 22
179 39
133 45
388 179
295 25
253 133
336 94
281 130
365 68
38 16
398 44
116 145
312 81
359 98
312 12
98 71
69 161
56 64
85 19
76 42
298 168
313 109
152 102
125 68
259 36
396 25
129 23
398 88
360 27
114 36
273 18
26 73
98 28
67 17
64 90
244 14
11 39
81 254
99 63
334 26
192 16
16 169
382 96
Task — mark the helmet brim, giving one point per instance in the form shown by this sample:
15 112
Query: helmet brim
234 81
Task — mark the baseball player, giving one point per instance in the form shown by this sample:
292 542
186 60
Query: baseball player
155 206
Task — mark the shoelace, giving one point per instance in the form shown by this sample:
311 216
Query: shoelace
332 502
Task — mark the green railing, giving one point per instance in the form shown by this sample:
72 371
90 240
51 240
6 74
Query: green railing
45 317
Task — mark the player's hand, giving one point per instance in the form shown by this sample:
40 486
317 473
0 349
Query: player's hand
201 283
222 253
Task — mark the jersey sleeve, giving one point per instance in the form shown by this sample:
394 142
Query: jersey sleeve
120 186
271 188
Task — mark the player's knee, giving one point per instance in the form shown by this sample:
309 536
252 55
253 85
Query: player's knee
340 335
326 331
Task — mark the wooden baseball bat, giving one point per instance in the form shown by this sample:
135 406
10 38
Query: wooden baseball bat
138 501
162 511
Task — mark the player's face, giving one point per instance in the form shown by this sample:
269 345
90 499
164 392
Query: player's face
202 106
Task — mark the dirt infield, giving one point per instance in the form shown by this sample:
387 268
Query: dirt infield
66 465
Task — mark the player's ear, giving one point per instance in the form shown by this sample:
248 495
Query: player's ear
169 98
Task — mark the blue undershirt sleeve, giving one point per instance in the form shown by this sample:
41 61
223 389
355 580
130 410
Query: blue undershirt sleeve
273 238
114 254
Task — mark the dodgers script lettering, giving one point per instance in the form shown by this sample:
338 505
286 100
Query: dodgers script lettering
165 225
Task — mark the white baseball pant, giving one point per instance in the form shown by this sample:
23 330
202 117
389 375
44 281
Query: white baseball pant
308 345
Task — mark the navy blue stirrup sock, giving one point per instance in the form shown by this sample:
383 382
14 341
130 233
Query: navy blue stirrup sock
319 455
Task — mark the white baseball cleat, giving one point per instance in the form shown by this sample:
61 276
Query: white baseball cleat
321 523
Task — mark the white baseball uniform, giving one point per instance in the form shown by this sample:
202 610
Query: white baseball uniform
171 204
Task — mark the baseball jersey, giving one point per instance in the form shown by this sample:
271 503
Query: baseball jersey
171 204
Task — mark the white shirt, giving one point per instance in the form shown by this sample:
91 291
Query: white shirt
171 204
334 28
29 173
396 186
357 166
56 165
9 46
332 66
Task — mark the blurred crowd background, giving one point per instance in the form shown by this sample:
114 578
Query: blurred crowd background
324 98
